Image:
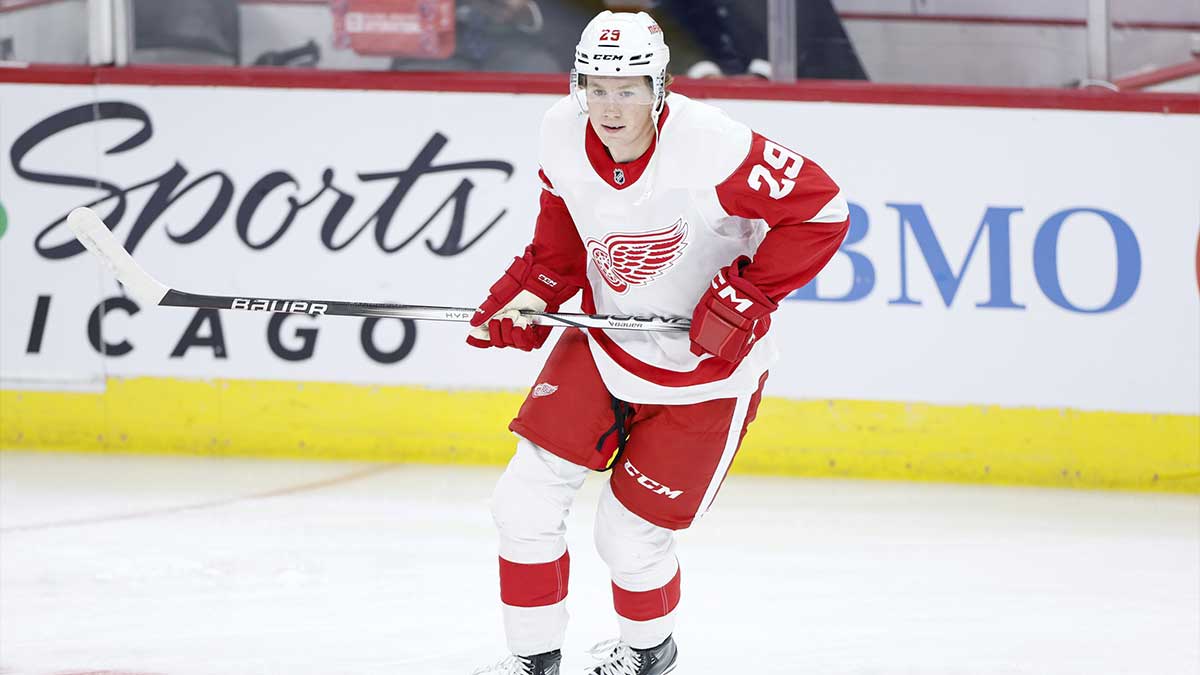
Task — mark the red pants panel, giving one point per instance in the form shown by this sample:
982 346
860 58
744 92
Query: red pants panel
676 456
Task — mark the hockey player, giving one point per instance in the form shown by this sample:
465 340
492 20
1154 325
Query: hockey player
652 204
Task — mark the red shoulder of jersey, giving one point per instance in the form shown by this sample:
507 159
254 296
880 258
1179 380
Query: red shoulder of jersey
777 185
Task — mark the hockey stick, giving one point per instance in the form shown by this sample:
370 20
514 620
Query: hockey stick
97 238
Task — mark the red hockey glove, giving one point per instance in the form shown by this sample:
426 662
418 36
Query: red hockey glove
730 314
524 286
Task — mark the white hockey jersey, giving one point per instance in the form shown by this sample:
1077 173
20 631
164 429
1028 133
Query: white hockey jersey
646 237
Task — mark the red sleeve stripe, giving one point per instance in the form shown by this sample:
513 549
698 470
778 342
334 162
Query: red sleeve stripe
647 605
546 184
835 211
536 585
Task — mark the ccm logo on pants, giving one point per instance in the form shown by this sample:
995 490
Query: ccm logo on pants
651 484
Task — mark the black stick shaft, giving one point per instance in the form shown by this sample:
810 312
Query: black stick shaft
174 298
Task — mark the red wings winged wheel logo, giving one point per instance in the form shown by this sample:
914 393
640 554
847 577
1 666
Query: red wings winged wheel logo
627 259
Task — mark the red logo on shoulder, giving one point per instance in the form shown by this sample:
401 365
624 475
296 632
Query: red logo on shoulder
627 259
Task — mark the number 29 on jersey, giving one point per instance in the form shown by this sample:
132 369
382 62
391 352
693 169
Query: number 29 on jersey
780 159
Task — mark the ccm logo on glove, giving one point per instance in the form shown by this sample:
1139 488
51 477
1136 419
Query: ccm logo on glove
727 292
731 315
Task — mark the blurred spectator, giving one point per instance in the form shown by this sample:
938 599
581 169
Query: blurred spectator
714 28
496 36
199 32
733 36
307 55
719 37
823 50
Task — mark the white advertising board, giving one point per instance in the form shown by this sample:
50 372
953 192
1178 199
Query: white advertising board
1008 257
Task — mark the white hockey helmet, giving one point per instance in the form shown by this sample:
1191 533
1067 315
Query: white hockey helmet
622 44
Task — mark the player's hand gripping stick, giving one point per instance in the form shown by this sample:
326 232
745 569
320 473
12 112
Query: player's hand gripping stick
525 286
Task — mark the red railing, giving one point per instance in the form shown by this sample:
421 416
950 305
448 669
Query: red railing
1177 71
14 5
1037 22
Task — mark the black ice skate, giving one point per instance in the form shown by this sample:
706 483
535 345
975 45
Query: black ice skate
618 658
540 664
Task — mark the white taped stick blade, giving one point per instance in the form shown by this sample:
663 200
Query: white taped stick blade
97 238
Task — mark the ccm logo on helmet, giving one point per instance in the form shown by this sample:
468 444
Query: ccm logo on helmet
651 484
607 57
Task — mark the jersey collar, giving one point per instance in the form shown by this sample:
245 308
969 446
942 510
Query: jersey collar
619 175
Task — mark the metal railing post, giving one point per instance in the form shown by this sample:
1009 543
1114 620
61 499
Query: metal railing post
1099 25
122 28
100 32
781 39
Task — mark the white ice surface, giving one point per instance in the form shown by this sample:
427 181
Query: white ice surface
214 566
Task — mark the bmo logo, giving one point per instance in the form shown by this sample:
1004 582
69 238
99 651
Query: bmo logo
1104 287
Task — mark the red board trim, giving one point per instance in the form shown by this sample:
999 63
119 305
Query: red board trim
521 83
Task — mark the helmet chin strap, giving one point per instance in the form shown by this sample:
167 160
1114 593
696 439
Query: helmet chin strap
652 165
660 96
576 93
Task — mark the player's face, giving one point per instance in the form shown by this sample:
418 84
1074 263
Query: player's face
619 109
